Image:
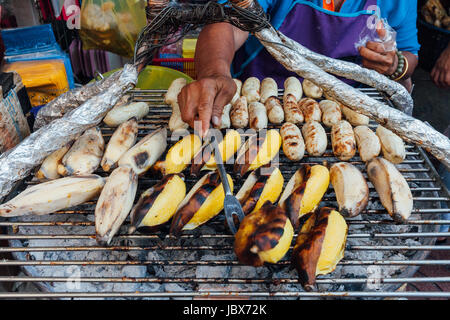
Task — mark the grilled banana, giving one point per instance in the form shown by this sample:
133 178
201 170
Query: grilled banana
310 109
355 118
49 168
257 151
293 144
114 203
237 94
392 145
145 153
304 191
54 195
121 141
263 184
203 202
225 119
293 90
258 116
239 113
315 138
292 111
251 89
311 90
320 245
269 88
275 111
85 154
368 143
331 113
122 113
263 236
391 186
158 204
180 155
343 140
352 192
171 98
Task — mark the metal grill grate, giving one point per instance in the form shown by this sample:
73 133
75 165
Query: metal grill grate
61 248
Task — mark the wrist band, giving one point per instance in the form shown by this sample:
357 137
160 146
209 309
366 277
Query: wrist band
402 67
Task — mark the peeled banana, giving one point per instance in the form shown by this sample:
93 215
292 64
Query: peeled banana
355 118
352 192
310 109
315 138
293 143
368 143
145 153
122 113
263 184
395 194
392 146
203 202
171 98
121 141
311 90
54 195
320 245
343 140
304 191
251 89
180 155
49 168
158 204
263 236
114 203
257 151
85 154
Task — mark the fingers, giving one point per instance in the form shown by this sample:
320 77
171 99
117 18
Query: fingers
187 102
376 46
383 63
204 109
223 97
381 30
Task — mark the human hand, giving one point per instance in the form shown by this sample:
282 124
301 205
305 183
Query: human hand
376 58
203 100
441 70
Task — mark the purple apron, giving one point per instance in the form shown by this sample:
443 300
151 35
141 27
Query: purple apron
321 31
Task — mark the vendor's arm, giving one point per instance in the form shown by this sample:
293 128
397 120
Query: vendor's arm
204 99
441 70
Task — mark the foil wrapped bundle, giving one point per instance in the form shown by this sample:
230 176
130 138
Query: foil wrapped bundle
407 127
72 99
18 162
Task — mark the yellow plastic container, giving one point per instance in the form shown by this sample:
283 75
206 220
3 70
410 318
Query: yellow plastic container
44 79
189 48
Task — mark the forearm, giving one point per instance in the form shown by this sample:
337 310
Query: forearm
215 49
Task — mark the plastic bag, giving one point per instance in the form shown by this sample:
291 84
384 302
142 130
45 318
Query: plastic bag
379 31
112 25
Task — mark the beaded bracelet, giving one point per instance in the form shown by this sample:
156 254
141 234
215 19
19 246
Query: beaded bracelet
401 71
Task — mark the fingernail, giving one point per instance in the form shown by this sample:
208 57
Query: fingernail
215 120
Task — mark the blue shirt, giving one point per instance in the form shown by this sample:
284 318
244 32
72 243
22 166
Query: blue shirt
400 14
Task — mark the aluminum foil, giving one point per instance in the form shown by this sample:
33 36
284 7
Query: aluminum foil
18 162
72 99
396 92
407 127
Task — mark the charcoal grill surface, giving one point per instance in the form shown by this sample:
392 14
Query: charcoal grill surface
59 253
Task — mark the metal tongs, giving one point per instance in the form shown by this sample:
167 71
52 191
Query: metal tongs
231 205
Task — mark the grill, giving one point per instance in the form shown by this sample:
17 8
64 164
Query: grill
59 253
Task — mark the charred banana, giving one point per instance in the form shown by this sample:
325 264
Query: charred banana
391 186
263 184
114 203
145 153
304 191
293 144
263 236
85 154
157 205
121 141
343 140
257 151
320 245
54 195
352 192
203 202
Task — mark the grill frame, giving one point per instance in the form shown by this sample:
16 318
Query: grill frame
160 112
